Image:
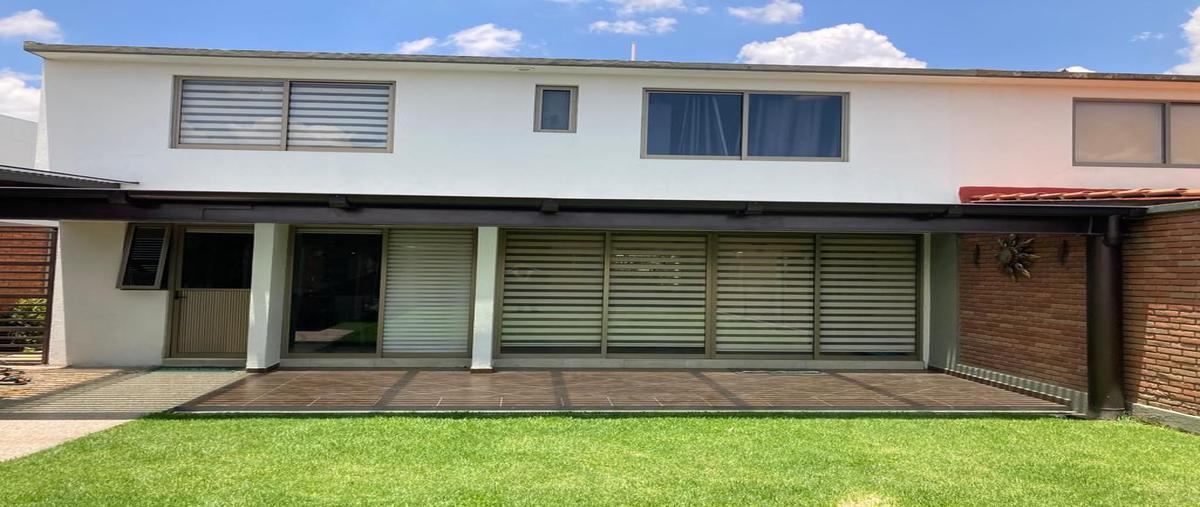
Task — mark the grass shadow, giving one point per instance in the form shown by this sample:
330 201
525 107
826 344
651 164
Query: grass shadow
614 415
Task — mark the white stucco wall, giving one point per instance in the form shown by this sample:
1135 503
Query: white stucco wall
97 324
467 131
18 139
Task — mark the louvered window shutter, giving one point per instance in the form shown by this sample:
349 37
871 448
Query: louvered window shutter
553 292
145 257
657 293
230 112
868 294
764 294
427 301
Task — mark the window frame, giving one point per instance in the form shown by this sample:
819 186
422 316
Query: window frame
289 285
1165 125
160 273
745 138
177 106
572 122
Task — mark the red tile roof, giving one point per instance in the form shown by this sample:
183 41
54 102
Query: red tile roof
1050 194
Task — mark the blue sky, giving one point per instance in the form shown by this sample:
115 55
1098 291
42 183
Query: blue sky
1103 35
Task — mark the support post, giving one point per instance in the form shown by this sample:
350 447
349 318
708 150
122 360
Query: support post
1106 397
487 250
264 338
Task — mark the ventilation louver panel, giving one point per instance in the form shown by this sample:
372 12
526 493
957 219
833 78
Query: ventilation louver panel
332 115
145 257
230 112
657 293
868 295
427 303
764 294
553 292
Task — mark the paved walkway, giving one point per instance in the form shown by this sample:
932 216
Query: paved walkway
595 390
42 422
49 379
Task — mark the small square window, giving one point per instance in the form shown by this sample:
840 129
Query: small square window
555 109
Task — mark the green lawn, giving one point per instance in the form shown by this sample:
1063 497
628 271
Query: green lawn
680 460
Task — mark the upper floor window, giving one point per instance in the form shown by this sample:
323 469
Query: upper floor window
1137 133
555 108
275 114
744 125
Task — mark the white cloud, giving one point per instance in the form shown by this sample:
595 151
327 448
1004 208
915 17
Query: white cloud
1191 32
31 23
486 40
850 44
703 9
773 13
631 27
1145 36
416 46
1076 68
17 97
482 40
628 7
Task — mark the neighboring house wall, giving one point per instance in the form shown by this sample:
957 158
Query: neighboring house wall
1162 312
468 130
99 324
18 139
1032 328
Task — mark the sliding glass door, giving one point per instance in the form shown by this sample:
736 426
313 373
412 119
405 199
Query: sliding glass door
335 292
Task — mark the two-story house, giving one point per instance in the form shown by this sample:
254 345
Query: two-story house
264 209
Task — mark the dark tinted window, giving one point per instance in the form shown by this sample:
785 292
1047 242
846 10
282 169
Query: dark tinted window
216 260
335 293
696 124
795 126
556 110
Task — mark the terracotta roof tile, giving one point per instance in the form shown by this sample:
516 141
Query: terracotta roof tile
1133 192
985 194
1165 192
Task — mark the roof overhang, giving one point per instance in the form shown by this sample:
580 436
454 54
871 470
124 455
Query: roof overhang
21 176
168 54
335 209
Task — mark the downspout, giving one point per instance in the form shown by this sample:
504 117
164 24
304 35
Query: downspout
1106 396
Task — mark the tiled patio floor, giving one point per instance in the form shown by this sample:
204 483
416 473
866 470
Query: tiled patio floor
593 390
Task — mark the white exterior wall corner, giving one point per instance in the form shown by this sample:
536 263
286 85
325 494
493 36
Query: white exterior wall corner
41 154
469 132
98 324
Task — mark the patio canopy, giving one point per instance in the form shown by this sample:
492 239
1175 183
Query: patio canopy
308 208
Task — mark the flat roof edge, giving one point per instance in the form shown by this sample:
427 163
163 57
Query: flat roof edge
546 204
42 49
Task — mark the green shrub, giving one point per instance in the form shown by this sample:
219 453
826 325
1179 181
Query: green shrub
26 312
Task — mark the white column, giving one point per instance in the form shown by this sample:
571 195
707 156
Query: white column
926 294
267 277
486 253
58 310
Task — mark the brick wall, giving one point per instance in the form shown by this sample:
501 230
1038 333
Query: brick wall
1162 312
1034 328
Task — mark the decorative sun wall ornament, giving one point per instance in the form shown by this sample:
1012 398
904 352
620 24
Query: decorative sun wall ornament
1016 256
